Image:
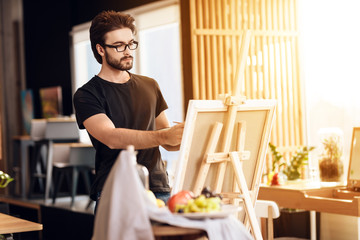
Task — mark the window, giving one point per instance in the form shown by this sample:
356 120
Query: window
83 63
330 49
158 56
272 69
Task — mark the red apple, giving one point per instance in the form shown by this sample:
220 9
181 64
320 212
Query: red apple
275 180
181 197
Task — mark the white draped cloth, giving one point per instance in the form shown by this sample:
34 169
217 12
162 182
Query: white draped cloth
125 211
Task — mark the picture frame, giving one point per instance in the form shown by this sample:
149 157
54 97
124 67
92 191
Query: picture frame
51 101
353 180
27 109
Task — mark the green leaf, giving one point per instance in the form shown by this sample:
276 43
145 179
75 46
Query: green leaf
293 169
5 179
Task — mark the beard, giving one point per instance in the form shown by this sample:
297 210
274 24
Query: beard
125 63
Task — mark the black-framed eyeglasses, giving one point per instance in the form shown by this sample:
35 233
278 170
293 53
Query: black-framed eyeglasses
122 47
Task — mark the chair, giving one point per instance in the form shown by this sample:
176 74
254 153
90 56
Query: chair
38 159
265 211
38 166
269 210
70 161
44 132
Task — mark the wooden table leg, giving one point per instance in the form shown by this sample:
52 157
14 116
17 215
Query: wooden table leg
313 225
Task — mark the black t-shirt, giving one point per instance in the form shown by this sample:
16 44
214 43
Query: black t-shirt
133 105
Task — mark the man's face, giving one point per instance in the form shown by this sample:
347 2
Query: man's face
119 60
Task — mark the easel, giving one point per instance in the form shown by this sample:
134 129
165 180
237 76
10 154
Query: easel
225 155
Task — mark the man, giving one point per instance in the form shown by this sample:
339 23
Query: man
118 108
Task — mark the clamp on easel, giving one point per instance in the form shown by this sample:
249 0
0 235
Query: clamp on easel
225 156
232 100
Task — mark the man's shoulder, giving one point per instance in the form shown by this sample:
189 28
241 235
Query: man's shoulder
92 86
144 79
93 82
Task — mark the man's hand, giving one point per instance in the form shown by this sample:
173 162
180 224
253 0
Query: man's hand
176 133
173 135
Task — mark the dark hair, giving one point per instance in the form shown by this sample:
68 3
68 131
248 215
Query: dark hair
105 22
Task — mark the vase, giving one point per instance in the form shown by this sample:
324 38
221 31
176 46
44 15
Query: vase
331 166
330 170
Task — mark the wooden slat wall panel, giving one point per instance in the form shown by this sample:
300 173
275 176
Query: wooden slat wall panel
272 69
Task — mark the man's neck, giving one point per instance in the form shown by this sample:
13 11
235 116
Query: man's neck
114 76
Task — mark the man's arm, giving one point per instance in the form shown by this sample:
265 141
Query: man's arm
103 129
162 122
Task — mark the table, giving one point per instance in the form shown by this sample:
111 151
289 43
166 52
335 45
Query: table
314 197
162 232
9 224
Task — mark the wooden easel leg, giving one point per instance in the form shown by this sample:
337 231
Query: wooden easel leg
249 208
204 168
240 146
228 132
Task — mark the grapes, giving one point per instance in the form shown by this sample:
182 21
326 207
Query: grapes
208 193
207 201
200 204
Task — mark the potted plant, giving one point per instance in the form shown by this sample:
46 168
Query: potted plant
331 167
5 179
291 170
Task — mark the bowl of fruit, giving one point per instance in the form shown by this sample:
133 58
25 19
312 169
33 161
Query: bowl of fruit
206 205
